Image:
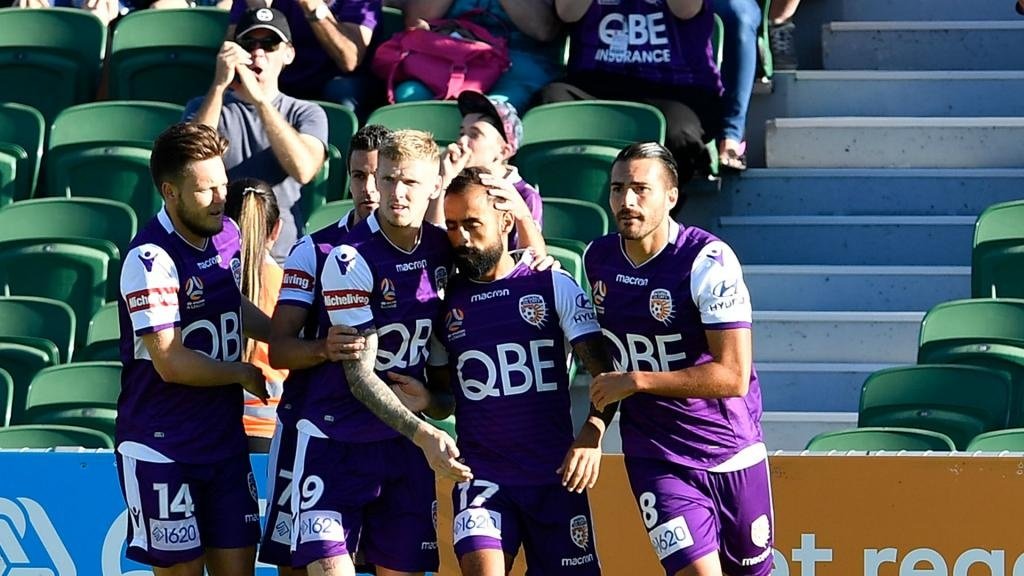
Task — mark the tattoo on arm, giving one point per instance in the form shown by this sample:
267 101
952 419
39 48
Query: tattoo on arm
369 389
593 354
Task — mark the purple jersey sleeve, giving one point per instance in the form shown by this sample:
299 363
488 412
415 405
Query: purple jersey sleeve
718 290
238 8
362 12
149 286
575 312
347 283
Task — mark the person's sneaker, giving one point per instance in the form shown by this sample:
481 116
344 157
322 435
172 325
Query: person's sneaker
783 44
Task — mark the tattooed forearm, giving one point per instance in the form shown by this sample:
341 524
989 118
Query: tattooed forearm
369 389
593 354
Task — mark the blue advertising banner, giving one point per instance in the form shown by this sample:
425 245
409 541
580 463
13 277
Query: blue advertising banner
61 514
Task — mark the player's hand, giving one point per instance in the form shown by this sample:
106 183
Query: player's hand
230 56
252 380
508 198
413 394
454 160
542 263
343 343
611 387
441 453
247 86
582 465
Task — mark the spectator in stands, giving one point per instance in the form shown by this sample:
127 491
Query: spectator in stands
654 53
274 137
330 38
531 28
1020 7
780 34
740 21
252 204
490 134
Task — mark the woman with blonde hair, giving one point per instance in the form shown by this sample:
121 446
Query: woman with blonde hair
252 204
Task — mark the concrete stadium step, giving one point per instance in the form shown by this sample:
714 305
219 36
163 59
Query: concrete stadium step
806 387
870 142
898 93
881 10
865 191
836 337
855 288
793 430
937 45
850 240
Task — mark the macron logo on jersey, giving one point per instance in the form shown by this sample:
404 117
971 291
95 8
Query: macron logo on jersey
335 300
488 295
410 266
297 280
151 298
631 280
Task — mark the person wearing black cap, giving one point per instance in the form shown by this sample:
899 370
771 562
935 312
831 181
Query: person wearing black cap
273 137
490 134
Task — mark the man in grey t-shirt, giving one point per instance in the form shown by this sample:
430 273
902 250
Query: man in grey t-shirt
273 137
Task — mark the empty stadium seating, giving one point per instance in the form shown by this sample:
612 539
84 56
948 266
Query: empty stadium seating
51 436
881 438
22 130
998 254
80 394
327 214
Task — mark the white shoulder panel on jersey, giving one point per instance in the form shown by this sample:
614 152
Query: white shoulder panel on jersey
346 285
149 287
575 312
299 282
717 287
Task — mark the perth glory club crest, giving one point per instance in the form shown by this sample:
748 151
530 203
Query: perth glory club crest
533 309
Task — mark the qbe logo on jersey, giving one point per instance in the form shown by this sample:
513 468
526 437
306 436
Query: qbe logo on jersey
29 543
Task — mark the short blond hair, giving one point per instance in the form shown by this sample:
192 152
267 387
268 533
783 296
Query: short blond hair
410 145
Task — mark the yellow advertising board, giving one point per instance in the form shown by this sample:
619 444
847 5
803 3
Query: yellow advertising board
843 516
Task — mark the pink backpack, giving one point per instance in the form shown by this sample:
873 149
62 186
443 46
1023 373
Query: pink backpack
454 55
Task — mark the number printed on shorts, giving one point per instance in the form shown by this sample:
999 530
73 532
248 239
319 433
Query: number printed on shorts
286 488
647 501
670 537
174 535
312 490
182 503
477 522
489 489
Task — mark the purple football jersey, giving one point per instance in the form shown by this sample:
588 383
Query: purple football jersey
655 316
368 281
643 39
299 288
507 343
167 282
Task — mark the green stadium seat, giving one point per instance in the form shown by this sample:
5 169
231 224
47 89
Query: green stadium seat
997 260
391 22
22 131
6 397
440 118
95 218
571 261
880 438
166 55
981 332
61 270
103 337
78 394
577 219
50 58
578 171
44 318
958 401
102 150
23 358
577 246
327 214
1011 440
607 122
342 125
51 436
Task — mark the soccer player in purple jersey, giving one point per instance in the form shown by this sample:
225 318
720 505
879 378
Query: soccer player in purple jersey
182 453
297 344
507 329
363 460
672 303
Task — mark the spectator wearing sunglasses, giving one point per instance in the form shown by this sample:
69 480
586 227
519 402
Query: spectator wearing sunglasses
273 137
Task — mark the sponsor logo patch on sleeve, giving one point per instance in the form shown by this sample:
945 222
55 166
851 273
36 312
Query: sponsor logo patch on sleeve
151 298
335 300
297 280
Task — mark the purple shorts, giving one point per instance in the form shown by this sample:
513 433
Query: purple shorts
276 544
690 513
177 510
379 495
552 524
